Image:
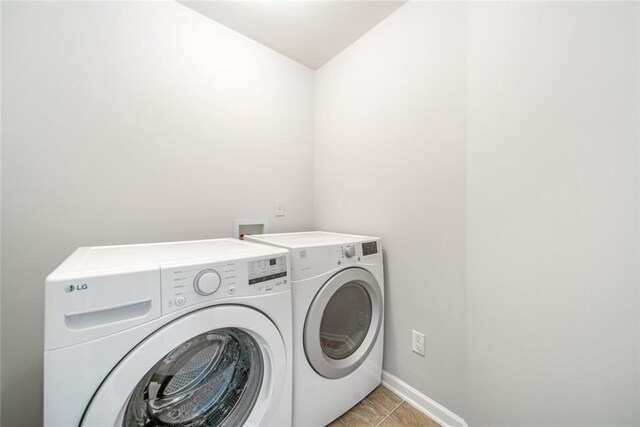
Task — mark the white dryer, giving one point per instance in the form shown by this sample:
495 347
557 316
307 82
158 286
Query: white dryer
186 333
338 307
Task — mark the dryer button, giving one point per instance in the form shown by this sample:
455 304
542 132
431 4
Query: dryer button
349 251
180 301
231 290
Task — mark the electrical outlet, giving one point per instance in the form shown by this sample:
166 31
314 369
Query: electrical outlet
418 342
279 208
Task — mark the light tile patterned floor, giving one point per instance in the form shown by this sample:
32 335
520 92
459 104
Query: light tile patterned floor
383 408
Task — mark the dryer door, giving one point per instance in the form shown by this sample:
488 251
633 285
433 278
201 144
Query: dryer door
220 366
343 322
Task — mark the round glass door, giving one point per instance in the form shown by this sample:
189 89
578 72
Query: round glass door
189 374
343 322
212 379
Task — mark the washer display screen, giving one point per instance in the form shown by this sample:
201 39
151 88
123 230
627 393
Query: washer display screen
265 269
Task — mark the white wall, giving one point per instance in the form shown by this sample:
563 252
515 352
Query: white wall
495 150
133 122
493 146
1 7
553 196
390 161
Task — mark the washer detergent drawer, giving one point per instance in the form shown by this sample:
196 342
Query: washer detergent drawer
78 310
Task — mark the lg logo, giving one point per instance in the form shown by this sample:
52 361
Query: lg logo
71 288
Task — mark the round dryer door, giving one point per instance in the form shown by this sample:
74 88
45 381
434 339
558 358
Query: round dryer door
343 322
215 367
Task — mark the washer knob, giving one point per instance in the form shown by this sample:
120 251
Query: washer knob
349 251
206 282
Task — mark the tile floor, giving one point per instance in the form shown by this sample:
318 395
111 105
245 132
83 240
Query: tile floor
383 408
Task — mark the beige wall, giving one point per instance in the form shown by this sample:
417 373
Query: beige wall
133 122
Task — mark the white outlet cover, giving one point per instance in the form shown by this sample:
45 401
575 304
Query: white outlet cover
418 342
279 207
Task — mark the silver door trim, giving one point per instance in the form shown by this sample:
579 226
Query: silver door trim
320 362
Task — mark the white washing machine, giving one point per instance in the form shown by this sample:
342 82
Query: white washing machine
338 306
186 333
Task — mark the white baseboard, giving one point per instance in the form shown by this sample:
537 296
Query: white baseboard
433 409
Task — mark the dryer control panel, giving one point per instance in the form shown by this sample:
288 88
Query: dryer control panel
315 260
356 251
185 286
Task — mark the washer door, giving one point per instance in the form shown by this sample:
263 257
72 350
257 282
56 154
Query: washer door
343 322
221 366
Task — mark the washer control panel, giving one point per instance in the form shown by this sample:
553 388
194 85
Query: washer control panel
184 286
264 270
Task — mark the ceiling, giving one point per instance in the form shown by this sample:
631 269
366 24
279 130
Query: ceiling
310 32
